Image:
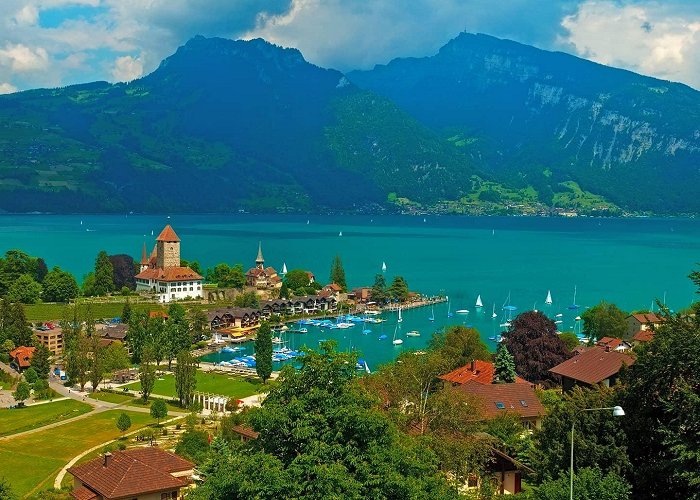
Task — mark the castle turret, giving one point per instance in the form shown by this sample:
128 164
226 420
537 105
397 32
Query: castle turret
260 261
144 258
168 249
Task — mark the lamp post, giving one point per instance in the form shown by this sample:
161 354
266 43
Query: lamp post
617 411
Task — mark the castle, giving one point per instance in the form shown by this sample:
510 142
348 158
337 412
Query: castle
162 273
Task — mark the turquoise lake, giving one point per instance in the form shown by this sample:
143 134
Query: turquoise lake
630 262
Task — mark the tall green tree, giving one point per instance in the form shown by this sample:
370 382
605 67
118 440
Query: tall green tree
263 351
97 364
159 410
399 289
59 286
379 294
104 272
25 289
13 324
123 422
6 492
284 291
147 373
459 345
589 484
176 332
337 274
13 265
504 366
22 392
41 362
185 377
199 325
126 312
137 338
604 320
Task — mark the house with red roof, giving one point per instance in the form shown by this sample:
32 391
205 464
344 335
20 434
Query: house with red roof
261 277
499 399
642 322
21 357
162 273
136 474
613 344
478 370
593 366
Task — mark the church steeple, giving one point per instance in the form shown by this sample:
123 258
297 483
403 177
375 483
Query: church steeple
260 261
144 259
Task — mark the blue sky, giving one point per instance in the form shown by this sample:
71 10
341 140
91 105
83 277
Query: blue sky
49 43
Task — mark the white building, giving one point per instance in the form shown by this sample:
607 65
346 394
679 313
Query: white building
162 273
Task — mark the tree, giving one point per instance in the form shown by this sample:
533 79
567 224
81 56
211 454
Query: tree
41 362
159 409
378 293
246 299
25 290
599 439
41 270
116 357
126 312
176 333
123 271
459 345
604 320
337 275
89 285
233 278
398 289
13 324
570 340
123 422
30 375
22 392
185 377
589 484
660 399
504 366
137 338
194 446
5 490
147 373
59 286
263 351
7 346
199 325
533 341
296 279
104 281
15 264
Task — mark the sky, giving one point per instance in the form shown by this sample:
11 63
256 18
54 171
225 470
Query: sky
53 43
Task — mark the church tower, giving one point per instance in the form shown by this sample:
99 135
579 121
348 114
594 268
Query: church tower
168 249
260 261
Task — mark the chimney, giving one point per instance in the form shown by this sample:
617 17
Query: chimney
607 348
472 365
107 459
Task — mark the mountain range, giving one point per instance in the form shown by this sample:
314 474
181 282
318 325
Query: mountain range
484 126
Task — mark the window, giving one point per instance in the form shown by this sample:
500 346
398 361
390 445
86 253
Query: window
500 405
523 403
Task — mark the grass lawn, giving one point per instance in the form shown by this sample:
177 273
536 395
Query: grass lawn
128 399
35 459
51 311
214 383
31 417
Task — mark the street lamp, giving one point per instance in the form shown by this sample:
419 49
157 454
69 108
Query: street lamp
617 411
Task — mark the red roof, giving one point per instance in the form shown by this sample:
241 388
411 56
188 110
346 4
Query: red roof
132 473
645 318
335 287
497 399
593 365
169 274
158 314
478 370
23 355
83 493
245 431
610 342
644 335
167 234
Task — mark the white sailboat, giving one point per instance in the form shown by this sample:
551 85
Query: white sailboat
432 314
548 300
340 233
383 266
493 312
479 304
81 223
449 308
574 305
400 318
151 232
284 268
396 341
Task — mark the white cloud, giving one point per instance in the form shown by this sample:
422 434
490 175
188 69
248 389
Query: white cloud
127 68
27 15
21 58
644 37
7 88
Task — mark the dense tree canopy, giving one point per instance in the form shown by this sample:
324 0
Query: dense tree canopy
398 290
533 341
13 324
25 289
123 271
296 279
337 274
589 484
604 320
379 292
104 274
14 264
459 345
60 286
226 276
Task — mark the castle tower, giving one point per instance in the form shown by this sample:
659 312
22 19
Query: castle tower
260 261
168 249
144 259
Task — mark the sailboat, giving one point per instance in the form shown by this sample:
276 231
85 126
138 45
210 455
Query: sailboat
508 316
284 268
307 222
400 318
340 233
548 300
383 267
151 232
493 313
432 314
81 223
479 304
449 308
396 341
573 304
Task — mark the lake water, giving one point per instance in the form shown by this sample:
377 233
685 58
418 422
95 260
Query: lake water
629 262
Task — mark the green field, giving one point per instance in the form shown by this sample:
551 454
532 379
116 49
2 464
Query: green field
30 463
55 312
128 399
214 383
31 417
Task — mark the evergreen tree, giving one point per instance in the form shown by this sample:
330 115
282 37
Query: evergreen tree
263 351
378 293
176 333
123 422
185 377
399 289
338 273
41 270
13 324
504 365
137 337
40 361
284 291
147 373
126 312
104 272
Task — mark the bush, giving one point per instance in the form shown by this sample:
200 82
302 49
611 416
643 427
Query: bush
164 431
178 426
194 445
121 446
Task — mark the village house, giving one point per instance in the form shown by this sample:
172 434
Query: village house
310 304
233 317
595 365
261 277
333 290
137 474
477 370
643 336
21 357
162 273
614 344
642 322
361 295
505 470
499 399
